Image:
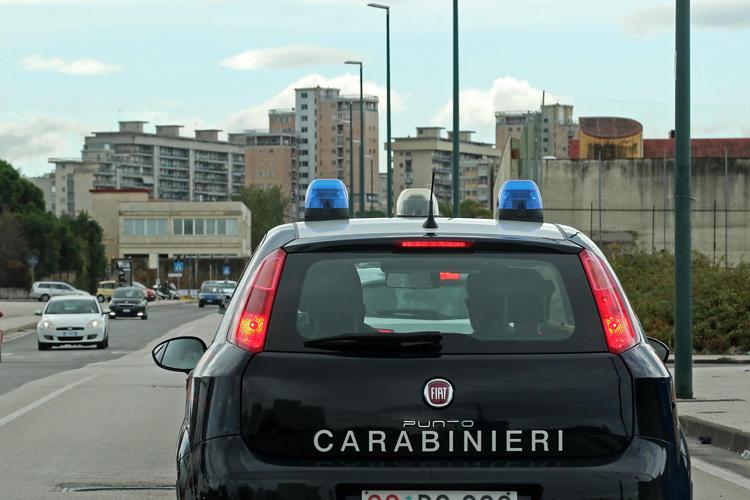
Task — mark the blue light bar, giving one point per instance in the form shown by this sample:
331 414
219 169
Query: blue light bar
326 199
520 200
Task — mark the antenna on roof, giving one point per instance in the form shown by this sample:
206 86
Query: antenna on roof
430 222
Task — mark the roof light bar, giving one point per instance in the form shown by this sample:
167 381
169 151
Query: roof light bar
326 199
520 200
415 202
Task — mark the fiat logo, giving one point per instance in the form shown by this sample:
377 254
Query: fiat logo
438 393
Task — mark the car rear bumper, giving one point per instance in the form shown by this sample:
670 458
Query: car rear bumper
224 468
211 299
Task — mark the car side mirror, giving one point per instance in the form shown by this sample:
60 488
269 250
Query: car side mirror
180 354
661 349
38 312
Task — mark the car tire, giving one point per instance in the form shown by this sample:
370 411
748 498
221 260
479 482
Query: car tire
44 297
100 298
42 346
144 317
201 304
103 344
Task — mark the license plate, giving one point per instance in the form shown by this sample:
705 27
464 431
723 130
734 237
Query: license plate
439 495
126 310
69 334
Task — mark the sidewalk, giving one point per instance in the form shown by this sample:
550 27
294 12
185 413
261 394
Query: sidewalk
721 405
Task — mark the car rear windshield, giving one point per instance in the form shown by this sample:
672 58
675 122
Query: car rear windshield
127 293
481 302
72 307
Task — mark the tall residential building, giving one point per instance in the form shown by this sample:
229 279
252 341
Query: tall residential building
46 183
323 126
72 181
271 156
200 168
415 158
556 128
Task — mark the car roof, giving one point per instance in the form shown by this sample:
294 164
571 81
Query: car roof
412 227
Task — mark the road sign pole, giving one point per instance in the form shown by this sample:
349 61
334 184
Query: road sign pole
683 273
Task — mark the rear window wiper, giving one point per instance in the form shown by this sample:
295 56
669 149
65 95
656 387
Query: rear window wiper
427 342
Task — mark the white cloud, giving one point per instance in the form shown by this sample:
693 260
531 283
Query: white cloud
85 67
478 106
707 14
290 56
257 116
28 144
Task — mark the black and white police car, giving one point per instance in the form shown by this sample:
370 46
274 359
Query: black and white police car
427 359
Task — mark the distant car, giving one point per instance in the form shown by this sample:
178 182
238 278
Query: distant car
149 292
45 290
105 289
128 302
72 320
210 293
227 288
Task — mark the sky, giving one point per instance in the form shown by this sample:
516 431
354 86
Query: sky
71 67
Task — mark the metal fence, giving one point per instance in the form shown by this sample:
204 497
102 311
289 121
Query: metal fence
720 233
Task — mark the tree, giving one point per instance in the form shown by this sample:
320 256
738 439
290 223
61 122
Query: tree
18 195
472 209
268 207
446 210
90 234
12 248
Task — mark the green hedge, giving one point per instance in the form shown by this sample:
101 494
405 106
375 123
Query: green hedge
721 300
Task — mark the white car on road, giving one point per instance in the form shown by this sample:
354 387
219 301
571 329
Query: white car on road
45 290
73 320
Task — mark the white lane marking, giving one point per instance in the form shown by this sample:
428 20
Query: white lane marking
726 475
39 402
16 337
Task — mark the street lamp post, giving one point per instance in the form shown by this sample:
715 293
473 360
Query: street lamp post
456 139
351 158
361 140
389 154
683 273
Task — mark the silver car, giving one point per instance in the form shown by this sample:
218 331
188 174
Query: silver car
45 290
73 320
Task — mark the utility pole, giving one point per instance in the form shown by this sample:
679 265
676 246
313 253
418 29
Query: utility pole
683 245
456 126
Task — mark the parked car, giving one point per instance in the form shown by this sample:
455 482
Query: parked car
45 290
104 291
72 320
150 293
128 302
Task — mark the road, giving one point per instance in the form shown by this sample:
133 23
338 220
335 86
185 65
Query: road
88 424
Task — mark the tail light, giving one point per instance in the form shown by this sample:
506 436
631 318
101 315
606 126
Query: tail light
618 327
250 323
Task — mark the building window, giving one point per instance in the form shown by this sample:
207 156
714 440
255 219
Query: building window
187 226
177 226
303 95
304 106
144 227
304 118
221 226
303 129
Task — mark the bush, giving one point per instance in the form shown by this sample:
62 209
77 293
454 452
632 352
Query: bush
721 299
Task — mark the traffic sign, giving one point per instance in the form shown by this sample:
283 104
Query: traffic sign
226 271
178 266
32 261
174 275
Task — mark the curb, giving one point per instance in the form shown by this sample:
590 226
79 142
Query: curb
722 436
719 360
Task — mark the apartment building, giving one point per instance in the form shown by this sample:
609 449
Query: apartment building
323 121
46 183
173 167
556 128
68 186
415 158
